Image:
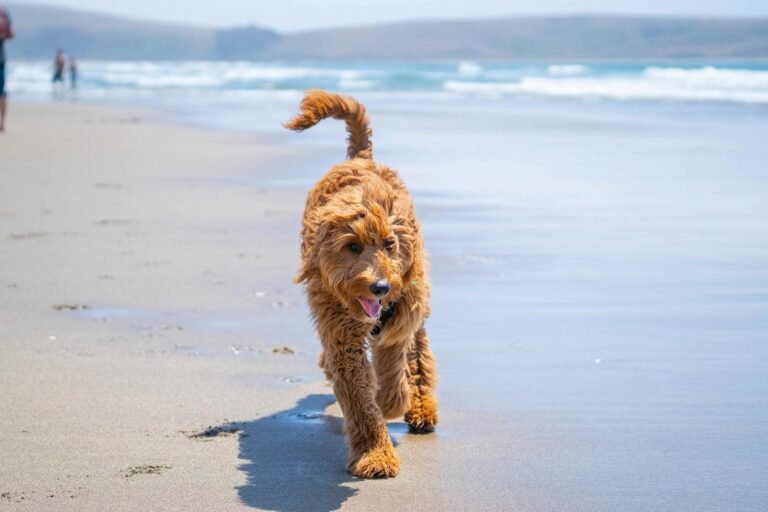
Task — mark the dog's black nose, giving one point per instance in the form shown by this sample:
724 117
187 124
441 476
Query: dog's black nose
380 288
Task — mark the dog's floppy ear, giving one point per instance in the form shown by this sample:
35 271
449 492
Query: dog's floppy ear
310 249
406 228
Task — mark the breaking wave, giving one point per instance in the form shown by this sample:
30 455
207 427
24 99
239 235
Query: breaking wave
653 83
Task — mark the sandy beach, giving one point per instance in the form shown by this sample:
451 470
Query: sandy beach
156 355
599 330
116 230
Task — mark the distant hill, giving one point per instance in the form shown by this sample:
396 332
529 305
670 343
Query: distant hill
40 30
572 37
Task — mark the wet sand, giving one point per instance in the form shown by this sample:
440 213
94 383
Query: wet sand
600 345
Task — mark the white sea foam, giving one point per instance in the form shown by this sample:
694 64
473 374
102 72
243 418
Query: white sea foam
654 83
567 70
35 76
204 74
710 77
469 68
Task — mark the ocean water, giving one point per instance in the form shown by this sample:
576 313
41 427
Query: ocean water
599 244
740 82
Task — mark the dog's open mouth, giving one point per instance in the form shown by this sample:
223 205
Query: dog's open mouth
371 306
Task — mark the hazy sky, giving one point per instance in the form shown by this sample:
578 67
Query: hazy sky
289 15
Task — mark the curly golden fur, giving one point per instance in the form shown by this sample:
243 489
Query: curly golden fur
363 263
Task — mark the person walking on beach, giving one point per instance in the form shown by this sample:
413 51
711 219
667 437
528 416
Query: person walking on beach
6 32
72 73
59 63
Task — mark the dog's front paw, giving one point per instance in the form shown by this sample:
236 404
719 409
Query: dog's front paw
376 463
422 419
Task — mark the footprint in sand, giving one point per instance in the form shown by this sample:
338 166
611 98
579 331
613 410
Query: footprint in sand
71 307
27 236
147 469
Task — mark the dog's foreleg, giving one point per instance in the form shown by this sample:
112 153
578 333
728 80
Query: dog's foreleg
422 414
391 363
371 452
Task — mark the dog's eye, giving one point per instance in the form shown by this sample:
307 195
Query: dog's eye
355 248
389 245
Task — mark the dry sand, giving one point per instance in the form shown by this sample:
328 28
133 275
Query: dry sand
110 225
116 229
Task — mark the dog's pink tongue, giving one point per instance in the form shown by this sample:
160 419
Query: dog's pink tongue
371 306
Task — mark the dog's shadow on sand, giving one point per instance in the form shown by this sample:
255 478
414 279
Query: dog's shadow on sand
294 459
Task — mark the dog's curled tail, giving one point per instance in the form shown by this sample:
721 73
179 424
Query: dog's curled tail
317 105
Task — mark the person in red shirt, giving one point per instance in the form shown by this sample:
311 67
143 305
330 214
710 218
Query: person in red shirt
6 32
59 63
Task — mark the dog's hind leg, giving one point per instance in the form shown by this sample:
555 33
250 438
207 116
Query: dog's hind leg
371 452
422 414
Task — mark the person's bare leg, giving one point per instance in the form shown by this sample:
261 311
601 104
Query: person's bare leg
3 106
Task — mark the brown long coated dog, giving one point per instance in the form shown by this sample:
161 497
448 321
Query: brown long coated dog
363 263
